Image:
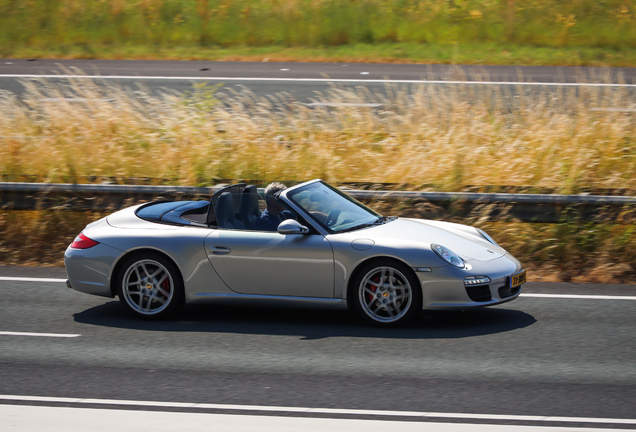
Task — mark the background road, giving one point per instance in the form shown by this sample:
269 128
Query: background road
299 80
533 356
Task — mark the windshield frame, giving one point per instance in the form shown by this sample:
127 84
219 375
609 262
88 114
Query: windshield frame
289 194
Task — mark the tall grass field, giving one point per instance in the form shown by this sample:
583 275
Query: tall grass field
424 137
502 31
569 140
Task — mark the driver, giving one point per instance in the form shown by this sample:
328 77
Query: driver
275 212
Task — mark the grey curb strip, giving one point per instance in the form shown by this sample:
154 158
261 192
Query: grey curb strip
595 200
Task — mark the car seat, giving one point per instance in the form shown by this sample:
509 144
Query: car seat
224 210
248 207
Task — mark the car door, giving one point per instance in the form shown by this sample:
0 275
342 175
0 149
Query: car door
269 263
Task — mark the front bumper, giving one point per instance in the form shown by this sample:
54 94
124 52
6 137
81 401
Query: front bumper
443 288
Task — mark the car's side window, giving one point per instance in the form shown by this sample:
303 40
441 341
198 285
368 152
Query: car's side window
243 209
246 209
270 214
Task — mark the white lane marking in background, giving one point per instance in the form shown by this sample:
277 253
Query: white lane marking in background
75 100
28 279
373 413
66 419
325 80
575 296
53 335
345 104
613 109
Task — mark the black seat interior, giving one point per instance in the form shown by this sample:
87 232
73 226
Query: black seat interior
234 190
225 215
248 207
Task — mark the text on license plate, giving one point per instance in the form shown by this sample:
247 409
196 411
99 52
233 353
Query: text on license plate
518 279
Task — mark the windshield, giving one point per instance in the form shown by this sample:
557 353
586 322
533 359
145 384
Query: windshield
332 209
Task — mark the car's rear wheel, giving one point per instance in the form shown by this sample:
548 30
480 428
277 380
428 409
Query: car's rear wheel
150 286
387 294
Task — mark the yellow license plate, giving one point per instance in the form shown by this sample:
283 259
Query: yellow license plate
518 279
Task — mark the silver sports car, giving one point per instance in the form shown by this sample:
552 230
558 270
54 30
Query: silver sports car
307 242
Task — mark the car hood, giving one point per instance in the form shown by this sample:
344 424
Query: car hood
461 239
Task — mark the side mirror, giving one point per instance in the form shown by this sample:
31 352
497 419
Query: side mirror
291 226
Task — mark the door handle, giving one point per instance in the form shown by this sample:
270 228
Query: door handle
220 250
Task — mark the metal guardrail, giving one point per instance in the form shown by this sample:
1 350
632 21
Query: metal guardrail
537 199
68 188
107 197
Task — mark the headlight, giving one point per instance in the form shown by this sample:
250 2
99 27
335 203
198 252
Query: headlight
447 255
487 237
476 280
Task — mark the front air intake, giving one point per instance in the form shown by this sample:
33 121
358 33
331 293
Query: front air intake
479 293
505 291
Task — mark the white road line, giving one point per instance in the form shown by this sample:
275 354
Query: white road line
345 104
372 413
53 335
65 419
325 80
613 109
75 100
28 279
575 296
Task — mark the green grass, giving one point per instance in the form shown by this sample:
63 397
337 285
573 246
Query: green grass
548 32
399 52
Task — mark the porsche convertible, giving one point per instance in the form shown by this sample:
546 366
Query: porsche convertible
324 246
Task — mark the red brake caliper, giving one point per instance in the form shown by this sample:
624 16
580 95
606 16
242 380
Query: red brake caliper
376 280
166 287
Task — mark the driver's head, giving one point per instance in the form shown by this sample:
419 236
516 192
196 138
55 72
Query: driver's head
273 206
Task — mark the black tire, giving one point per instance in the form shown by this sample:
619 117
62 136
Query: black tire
150 286
386 294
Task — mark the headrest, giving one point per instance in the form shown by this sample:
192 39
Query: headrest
249 200
224 209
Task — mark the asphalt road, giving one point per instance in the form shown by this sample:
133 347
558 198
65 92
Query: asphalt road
534 356
299 80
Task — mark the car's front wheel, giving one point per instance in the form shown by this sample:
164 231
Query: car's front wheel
150 286
387 294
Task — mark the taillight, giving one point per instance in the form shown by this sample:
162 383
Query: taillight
83 242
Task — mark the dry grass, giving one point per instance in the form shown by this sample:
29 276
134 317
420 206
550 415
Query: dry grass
426 135
39 238
448 139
